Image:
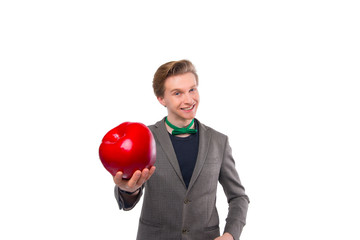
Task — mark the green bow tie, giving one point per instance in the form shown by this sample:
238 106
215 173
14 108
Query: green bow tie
178 130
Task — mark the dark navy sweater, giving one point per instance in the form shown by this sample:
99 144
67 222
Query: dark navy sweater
186 149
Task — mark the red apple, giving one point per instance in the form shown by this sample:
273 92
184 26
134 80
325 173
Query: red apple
127 148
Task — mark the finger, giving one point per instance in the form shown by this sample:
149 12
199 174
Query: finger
118 178
144 176
151 172
134 179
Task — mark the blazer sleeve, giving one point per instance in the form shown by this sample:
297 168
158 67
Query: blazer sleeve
235 192
126 206
119 196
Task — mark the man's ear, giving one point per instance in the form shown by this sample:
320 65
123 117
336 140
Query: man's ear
161 101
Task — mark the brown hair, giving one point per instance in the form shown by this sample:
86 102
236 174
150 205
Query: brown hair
171 69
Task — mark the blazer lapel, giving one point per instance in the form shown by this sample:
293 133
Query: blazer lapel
204 140
163 138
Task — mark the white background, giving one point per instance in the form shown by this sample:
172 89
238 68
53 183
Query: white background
280 78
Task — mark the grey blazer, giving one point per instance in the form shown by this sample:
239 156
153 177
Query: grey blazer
171 211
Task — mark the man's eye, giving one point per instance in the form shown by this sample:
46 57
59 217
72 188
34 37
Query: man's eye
177 94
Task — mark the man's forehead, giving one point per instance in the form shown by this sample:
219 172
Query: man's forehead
183 81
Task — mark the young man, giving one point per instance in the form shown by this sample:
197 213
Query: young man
180 197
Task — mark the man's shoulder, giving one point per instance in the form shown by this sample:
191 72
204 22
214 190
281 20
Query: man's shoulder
152 127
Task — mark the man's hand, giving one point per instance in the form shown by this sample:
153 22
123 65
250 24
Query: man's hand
226 236
136 180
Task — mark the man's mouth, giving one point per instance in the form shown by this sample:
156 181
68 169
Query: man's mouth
189 108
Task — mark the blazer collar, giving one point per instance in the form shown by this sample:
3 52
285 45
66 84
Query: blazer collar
165 142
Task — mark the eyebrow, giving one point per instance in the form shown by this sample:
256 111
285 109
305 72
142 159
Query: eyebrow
180 90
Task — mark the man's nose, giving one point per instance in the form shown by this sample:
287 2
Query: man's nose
188 99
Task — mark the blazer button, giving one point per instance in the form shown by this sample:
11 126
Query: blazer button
186 201
185 231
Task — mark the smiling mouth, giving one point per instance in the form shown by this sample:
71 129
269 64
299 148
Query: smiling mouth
189 108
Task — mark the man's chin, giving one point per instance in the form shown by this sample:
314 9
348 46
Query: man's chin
188 116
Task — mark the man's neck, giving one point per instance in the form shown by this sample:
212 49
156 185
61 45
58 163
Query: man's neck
181 123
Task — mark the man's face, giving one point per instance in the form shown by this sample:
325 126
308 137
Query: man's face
181 97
